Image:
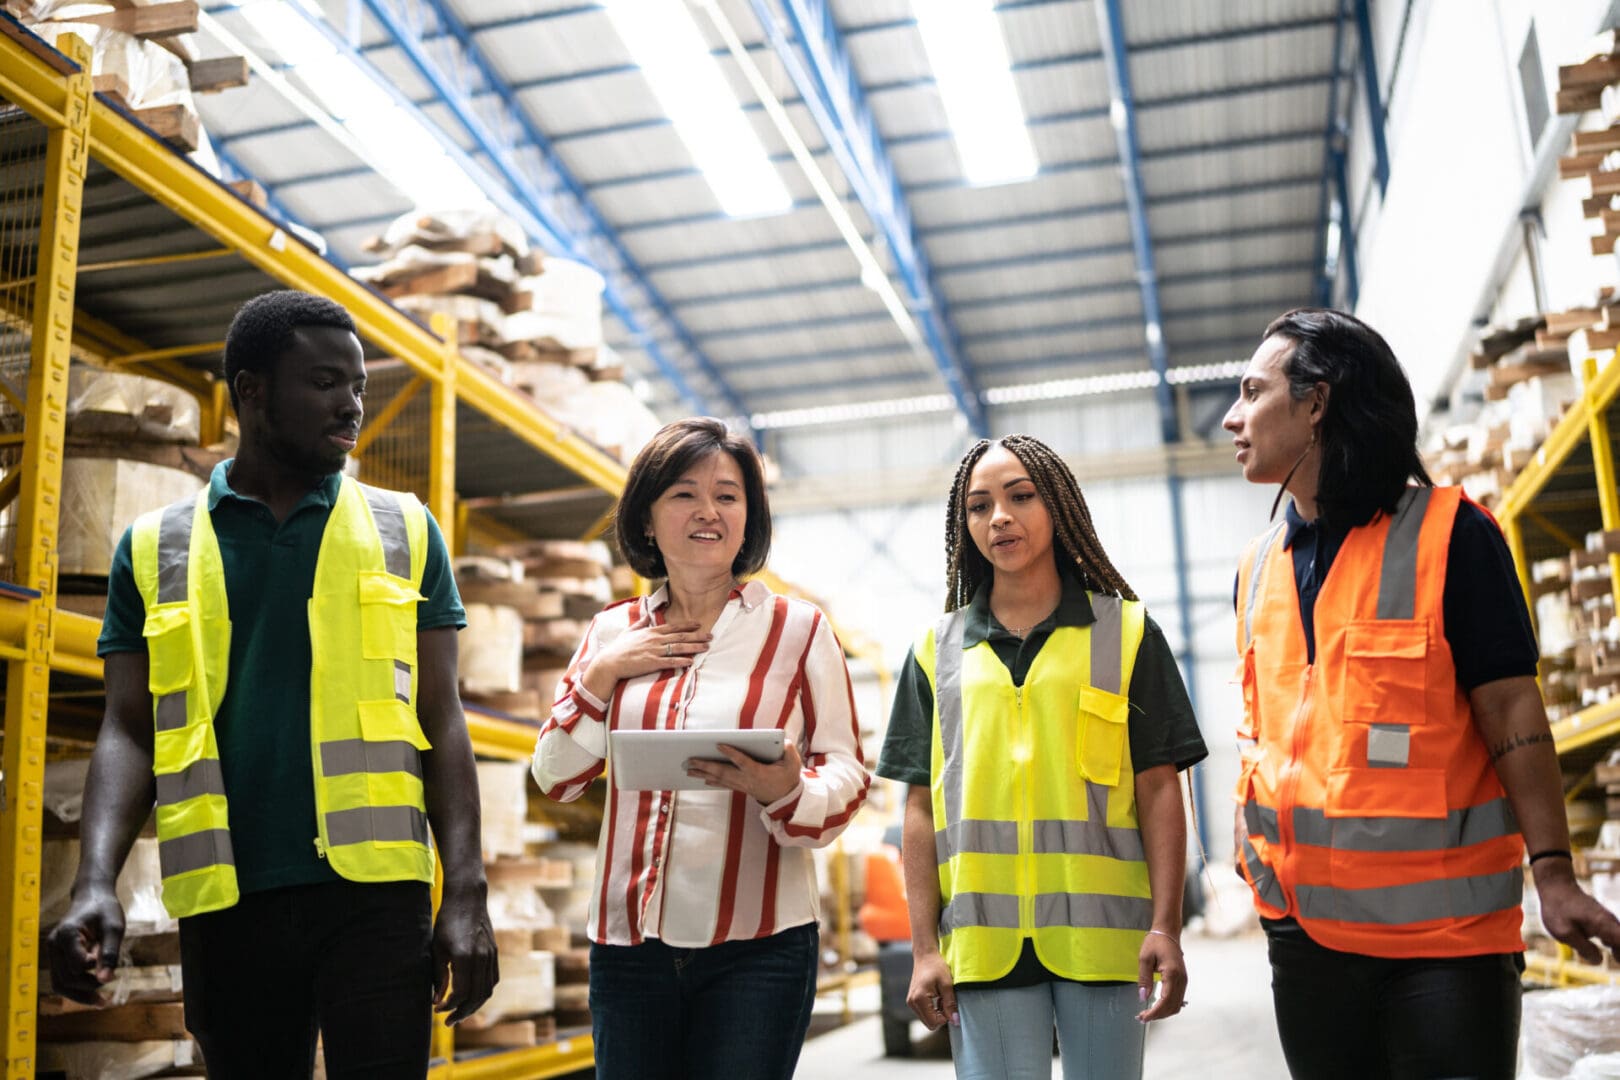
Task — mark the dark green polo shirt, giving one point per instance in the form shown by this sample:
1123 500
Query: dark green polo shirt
263 723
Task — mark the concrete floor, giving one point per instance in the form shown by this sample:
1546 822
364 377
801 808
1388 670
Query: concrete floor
1226 1030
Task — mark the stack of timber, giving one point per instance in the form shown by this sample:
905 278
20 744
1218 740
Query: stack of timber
1579 636
534 321
132 447
139 1029
1527 387
1593 86
531 601
145 60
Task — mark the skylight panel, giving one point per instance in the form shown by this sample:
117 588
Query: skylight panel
969 57
664 41
396 142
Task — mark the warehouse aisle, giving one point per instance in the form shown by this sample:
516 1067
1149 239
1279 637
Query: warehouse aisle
1227 1029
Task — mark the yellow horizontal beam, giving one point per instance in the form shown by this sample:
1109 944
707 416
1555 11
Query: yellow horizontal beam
173 352
1571 972
537 1063
503 739
75 649
1588 726
1572 429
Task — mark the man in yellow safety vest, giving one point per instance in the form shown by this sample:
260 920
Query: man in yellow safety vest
280 663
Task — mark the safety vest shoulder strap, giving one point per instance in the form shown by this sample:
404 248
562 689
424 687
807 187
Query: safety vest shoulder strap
1251 571
401 523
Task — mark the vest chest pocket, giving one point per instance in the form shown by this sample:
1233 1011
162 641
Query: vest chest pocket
1386 664
1100 744
170 659
387 617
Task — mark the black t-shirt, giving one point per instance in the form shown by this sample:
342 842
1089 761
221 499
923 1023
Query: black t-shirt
1487 621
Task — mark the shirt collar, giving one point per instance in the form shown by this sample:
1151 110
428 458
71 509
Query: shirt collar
219 488
1292 524
1074 609
750 593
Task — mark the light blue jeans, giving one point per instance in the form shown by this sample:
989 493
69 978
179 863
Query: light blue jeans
1007 1034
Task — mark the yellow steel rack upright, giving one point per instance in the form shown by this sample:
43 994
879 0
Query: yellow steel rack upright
240 251
1567 491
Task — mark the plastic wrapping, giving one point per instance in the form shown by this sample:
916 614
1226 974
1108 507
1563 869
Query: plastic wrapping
1562 1028
140 886
456 230
567 306
504 802
155 76
100 497
102 402
491 656
64 788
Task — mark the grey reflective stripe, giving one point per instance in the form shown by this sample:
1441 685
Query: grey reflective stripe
1087 838
976 836
390 519
1389 745
195 851
171 711
1096 802
377 824
1448 898
341 757
1458 829
1261 554
948 699
1265 882
1262 821
997 910
1089 910
1107 642
1397 580
201 777
174 550
402 681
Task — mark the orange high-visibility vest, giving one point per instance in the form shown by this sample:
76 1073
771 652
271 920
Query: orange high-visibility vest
1373 812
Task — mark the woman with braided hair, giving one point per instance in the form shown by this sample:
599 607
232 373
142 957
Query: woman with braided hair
1040 725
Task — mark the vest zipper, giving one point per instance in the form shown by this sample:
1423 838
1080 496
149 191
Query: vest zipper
1026 828
320 849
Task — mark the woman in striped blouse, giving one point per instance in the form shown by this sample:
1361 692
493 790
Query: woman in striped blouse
703 913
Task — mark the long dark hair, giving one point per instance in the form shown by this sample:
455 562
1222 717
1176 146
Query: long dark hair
966 566
1368 435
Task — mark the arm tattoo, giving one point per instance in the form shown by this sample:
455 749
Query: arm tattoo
1518 742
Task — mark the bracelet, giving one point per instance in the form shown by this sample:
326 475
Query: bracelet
1161 933
1550 853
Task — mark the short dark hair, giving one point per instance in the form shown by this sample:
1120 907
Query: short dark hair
667 456
1369 427
264 326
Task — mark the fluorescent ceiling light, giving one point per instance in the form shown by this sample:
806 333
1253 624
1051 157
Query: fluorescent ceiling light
664 40
394 141
969 58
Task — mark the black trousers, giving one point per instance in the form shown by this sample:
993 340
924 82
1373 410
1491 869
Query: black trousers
352 962
1344 1015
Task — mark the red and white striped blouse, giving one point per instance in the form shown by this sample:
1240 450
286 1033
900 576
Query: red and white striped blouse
695 868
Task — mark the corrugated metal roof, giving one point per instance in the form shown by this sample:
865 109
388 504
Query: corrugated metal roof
1231 111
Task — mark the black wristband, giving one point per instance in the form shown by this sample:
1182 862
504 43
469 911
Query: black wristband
1551 853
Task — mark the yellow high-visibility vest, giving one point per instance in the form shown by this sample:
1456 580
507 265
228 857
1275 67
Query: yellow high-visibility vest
365 740
1034 801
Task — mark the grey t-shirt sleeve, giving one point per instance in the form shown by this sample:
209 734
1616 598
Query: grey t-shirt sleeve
907 746
1163 728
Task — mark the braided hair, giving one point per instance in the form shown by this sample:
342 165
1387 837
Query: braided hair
966 566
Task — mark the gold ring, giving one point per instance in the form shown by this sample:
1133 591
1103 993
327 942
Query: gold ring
667 649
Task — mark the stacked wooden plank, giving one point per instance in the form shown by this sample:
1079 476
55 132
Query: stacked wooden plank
533 321
143 59
131 448
534 600
1593 86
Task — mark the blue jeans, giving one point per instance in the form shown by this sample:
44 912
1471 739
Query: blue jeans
737 1010
1006 1034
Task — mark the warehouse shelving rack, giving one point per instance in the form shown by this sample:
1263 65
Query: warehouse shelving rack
141 258
1567 491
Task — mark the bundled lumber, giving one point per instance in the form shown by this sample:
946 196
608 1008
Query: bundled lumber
143 59
533 321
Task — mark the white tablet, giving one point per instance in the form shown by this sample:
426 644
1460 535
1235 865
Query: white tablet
655 760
